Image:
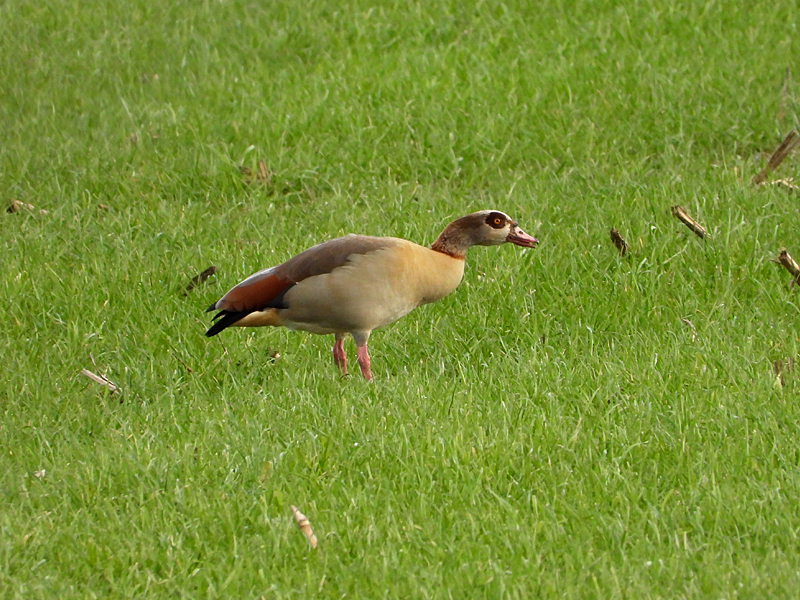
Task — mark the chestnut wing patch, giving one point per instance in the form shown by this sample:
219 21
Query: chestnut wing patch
259 291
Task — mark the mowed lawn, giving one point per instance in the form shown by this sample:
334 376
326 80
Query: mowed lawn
568 424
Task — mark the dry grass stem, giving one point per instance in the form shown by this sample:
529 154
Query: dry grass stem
305 526
262 176
787 184
679 213
787 145
199 279
178 358
785 259
100 379
619 242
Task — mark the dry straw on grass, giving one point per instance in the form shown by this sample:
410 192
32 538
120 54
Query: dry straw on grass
679 213
788 144
305 526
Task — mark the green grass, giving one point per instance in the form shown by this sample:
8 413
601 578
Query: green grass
568 423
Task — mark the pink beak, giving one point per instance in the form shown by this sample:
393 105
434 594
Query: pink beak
520 238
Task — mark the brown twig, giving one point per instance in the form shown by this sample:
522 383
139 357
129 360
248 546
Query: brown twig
305 526
198 279
785 259
175 354
619 242
100 380
787 145
679 213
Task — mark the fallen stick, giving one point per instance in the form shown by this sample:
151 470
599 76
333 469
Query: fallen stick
679 213
787 145
198 279
100 380
785 259
619 242
305 526
175 354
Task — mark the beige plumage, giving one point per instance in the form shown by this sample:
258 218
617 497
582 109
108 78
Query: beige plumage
356 283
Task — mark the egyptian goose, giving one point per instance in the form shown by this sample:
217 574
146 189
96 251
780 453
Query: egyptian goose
357 283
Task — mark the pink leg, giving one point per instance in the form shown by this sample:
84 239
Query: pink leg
363 361
339 357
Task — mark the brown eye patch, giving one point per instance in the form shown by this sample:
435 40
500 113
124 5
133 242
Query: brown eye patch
496 220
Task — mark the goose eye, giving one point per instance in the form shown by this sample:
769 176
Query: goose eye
496 220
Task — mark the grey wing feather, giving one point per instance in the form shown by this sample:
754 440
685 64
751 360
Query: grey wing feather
327 256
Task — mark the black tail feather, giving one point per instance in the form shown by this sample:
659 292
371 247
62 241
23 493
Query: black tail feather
228 319
212 307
